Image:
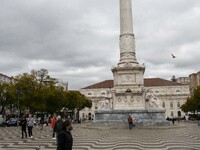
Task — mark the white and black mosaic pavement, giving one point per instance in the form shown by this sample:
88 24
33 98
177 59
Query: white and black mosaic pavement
182 136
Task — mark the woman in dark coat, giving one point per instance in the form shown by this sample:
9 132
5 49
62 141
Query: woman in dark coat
23 126
65 139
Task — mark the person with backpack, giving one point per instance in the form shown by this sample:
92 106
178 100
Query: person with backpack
65 139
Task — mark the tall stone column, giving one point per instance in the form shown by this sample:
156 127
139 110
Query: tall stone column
128 75
127 39
128 93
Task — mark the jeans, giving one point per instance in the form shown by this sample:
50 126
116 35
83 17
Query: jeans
130 125
30 133
24 131
53 133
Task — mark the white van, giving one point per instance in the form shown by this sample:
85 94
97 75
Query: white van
2 120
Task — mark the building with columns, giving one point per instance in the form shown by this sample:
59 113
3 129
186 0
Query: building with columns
194 81
171 95
183 80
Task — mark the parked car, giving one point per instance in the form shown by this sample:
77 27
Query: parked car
2 121
11 122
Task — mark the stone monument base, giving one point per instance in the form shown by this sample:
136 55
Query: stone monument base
153 117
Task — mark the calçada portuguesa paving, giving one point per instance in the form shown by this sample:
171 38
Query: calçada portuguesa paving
181 136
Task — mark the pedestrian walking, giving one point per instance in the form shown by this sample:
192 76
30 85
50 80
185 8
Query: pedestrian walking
58 126
30 123
173 120
65 139
53 121
130 122
23 126
42 123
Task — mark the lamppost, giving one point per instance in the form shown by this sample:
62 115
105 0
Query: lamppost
18 112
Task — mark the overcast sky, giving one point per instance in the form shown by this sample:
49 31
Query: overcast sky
78 40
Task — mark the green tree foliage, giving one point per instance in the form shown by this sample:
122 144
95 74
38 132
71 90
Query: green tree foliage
37 93
193 103
74 99
6 96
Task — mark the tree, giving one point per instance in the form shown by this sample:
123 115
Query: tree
7 97
193 103
74 100
37 93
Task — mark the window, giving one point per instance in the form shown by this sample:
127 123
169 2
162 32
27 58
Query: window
103 93
89 93
172 113
179 113
171 104
177 91
178 104
163 104
157 92
96 105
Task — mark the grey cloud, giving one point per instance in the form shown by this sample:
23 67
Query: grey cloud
78 40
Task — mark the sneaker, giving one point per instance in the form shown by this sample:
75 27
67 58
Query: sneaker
54 138
31 137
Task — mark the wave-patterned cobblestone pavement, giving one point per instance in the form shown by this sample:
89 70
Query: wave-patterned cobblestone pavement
183 136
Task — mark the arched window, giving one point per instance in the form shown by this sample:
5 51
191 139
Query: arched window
171 104
172 113
179 113
89 116
163 104
178 104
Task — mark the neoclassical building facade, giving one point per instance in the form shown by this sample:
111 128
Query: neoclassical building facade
4 78
171 96
194 81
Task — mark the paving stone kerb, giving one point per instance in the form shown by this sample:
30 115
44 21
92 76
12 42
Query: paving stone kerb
181 136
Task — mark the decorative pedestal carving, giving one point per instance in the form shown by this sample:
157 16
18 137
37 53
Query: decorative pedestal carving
128 92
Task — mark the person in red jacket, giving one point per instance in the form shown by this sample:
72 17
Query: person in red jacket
130 122
53 121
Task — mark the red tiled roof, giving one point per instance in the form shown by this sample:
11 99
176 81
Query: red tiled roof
103 84
159 82
147 83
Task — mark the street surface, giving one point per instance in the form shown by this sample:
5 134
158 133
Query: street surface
181 136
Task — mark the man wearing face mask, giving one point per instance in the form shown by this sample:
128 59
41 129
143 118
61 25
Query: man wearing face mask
65 139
